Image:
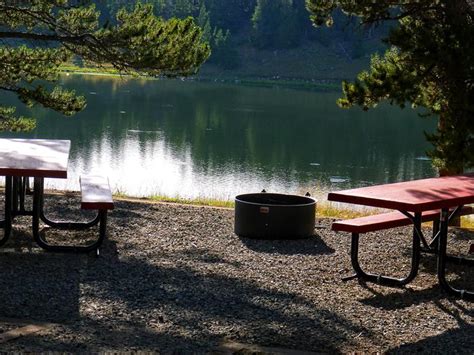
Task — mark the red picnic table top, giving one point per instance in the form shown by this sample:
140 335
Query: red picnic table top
34 157
413 196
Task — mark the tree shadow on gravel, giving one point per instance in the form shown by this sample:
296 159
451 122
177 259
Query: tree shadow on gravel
215 306
458 340
206 256
313 245
401 297
137 305
133 304
119 338
40 286
460 277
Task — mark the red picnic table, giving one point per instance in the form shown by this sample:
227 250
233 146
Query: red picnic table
414 200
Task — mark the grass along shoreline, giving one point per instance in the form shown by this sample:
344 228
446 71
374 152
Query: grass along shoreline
324 209
270 82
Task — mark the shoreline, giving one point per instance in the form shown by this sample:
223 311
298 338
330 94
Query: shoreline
324 85
324 209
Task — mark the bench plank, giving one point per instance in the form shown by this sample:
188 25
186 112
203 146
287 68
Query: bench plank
386 220
95 193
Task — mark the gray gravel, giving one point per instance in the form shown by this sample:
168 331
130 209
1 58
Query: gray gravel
176 279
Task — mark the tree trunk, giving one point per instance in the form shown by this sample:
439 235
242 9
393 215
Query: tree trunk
449 170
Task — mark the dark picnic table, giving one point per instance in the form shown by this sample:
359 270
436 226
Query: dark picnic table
412 198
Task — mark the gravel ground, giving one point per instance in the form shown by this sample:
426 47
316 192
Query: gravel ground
176 279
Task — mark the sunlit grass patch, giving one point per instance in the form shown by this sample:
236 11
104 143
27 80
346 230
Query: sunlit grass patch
201 201
329 210
467 222
119 193
71 68
323 209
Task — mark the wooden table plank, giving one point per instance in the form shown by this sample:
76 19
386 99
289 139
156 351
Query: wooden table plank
413 196
34 157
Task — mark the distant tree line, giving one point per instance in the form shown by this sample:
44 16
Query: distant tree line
261 24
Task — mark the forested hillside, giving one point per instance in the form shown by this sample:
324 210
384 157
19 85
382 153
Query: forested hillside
269 38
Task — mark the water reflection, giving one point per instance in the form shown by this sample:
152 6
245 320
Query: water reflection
192 139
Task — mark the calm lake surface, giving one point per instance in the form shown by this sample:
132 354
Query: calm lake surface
188 139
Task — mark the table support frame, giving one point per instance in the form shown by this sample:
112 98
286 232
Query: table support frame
443 258
16 189
38 234
382 279
437 246
6 223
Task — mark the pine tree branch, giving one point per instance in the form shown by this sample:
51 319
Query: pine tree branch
54 37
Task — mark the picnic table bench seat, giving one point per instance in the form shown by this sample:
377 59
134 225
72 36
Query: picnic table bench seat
389 220
95 195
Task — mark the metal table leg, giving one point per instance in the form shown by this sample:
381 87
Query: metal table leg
432 248
23 190
15 194
7 222
387 280
442 244
38 214
62 224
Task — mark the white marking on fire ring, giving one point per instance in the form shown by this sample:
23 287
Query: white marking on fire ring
264 209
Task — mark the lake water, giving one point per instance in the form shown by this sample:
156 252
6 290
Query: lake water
188 139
